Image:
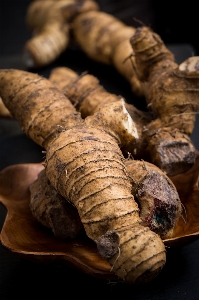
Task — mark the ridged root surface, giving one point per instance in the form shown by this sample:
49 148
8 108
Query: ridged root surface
173 89
106 39
39 115
52 210
172 96
159 202
139 257
86 166
97 184
50 24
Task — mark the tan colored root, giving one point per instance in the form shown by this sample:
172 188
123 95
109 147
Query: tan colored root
173 88
84 91
88 96
172 96
105 39
172 151
63 77
52 210
156 195
101 36
158 200
39 124
104 203
4 112
160 205
91 162
133 270
47 46
167 203
50 24
94 32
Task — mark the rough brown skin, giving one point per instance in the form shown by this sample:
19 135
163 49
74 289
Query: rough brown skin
52 210
160 210
49 22
91 161
4 112
105 39
156 195
172 96
87 95
168 137
102 36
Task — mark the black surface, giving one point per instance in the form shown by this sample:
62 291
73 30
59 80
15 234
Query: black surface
21 279
177 23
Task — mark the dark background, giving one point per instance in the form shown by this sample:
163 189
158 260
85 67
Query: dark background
175 23
22 279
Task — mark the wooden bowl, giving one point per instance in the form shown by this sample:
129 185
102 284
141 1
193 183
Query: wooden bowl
22 234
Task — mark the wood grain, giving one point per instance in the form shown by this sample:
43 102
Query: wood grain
22 234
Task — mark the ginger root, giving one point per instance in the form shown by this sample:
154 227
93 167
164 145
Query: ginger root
159 209
88 96
50 24
141 57
58 24
105 39
154 192
88 157
4 112
172 96
52 210
156 195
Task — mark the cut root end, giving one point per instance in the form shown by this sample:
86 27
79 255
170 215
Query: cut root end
28 60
